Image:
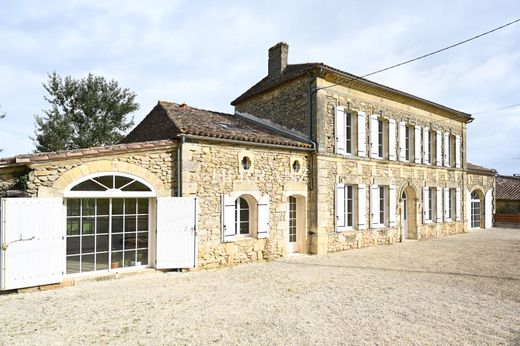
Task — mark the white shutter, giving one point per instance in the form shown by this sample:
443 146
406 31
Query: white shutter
32 233
341 129
362 207
447 204
417 148
488 211
392 205
402 141
426 145
374 206
438 202
457 151
176 231
374 138
426 206
228 218
362 135
263 217
457 204
438 147
446 149
391 140
468 208
340 208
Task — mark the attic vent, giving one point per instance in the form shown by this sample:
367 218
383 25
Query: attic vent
233 127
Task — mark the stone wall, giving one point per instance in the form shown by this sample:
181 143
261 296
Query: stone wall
12 179
211 170
160 163
286 105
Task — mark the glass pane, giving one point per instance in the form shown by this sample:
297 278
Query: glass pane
73 245
121 181
117 224
142 204
102 243
142 223
102 224
244 215
142 256
102 261
87 263
88 207
244 227
129 258
142 239
88 225
117 242
130 224
73 226
103 206
73 264
130 206
117 206
106 180
117 259
129 241
73 206
136 186
88 185
88 244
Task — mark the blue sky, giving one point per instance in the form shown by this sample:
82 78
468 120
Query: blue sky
206 53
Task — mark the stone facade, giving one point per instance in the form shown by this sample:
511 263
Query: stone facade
210 170
285 105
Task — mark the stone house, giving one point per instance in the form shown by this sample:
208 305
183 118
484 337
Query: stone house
508 201
314 160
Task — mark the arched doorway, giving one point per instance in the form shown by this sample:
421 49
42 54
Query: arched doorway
296 239
408 214
108 223
476 210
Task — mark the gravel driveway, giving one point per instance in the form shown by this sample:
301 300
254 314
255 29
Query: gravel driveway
462 289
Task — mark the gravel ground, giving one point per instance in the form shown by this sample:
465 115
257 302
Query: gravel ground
462 289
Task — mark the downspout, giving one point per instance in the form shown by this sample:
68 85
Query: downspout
179 165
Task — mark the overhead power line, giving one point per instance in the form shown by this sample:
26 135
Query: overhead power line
422 56
497 109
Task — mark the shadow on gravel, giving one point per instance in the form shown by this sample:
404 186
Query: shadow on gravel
402 270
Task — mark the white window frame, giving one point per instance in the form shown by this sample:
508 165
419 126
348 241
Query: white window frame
238 221
111 193
383 206
344 225
381 139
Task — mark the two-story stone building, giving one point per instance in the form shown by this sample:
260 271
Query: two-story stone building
314 160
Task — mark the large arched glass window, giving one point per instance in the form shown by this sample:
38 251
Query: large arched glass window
107 223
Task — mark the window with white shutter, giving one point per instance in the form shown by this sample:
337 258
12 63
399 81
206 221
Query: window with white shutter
438 147
392 206
361 134
391 140
447 204
446 149
374 206
341 135
228 219
345 204
457 151
374 136
263 217
417 146
403 145
426 205
438 203
457 204
362 207
426 145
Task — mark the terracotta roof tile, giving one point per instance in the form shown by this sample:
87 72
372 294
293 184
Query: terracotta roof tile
170 120
66 154
480 169
508 188
293 71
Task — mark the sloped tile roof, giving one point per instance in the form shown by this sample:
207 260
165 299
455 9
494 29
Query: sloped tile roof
480 169
293 71
508 188
75 153
170 120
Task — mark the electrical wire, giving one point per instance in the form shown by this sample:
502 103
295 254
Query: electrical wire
422 56
497 109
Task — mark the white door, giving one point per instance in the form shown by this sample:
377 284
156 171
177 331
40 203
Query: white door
176 232
32 232
404 216
293 229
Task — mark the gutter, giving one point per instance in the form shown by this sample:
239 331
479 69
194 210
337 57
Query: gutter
255 144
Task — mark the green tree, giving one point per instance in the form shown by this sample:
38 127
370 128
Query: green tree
83 113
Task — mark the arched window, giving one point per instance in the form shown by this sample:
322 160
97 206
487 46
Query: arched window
108 223
475 210
242 217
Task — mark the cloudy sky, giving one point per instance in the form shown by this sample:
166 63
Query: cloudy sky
206 53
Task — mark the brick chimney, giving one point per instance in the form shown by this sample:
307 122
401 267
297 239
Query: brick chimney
278 58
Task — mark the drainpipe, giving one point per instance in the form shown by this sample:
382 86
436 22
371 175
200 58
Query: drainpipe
179 165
